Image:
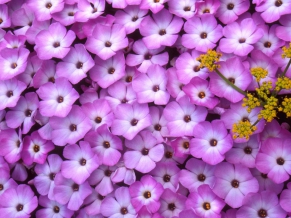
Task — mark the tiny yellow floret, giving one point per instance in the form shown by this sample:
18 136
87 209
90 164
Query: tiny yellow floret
286 106
209 60
251 102
259 73
243 129
283 83
286 52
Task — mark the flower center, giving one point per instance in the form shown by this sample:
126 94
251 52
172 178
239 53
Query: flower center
19 207
147 194
245 119
28 113
51 79
98 120
75 187
230 6
123 211
201 95
32 74
106 144
169 154
156 1
242 40
171 206
158 127
18 144
145 151
48 5
100 197
162 32
56 209
206 206
1 187
60 99
82 162
205 11
108 173
167 178
1 20
71 14
156 88
147 56
278 3
13 65
248 150
187 118
52 176
203 35
213 142
262 213
267 44
186 145
111 70
235 183
56 44
196 68
263 175
36 148
79 65
128 79
9 94
187 8
280 161
232 80
181 87
73 127
201 177
123 101
134 122
135 18
108 44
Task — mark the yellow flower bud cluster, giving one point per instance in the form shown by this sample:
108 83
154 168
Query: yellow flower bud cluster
259 73
283 83
251 102
264 90
243 129
208 60
286 106
269 112
286 52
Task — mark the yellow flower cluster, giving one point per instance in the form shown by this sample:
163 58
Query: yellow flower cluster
286 107
264 90
251 102
283 83
208 60
243 129
286 52
269 112
259 73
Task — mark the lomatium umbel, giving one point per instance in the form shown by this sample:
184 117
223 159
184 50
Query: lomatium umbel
264 97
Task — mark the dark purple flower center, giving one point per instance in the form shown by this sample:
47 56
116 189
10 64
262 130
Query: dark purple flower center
98 120
201 95
1 21
73 127
147 56
280 161
206 206
9 94
235 183
267 44
263 175
108 44
51 79
156 88
134 18
100 197
1 187
162 32
278 3
158 127
201 177
48 5
56 44
168 154
83 162
262 213
242 40
156 1
18 144
145 151
187 118
181 87
108 173
32 74
187 8
167 178
28 113
75 187
147 194
186 145
171 206
230 6
213 142
19 207
111 70
79 65
128 79
248 150
56 209
134 122
36 148
196 68
106 144
232 80
203 35
206 11
71 14
245 119
123 210
52 176
123 101
13 65
60 99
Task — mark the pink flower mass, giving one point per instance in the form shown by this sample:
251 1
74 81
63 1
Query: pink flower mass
145 108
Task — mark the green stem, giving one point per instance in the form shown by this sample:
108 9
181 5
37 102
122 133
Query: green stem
255 123
286 68
230 83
